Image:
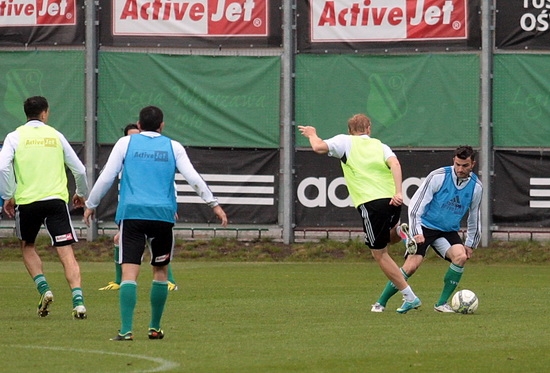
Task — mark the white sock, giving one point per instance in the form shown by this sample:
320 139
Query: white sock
408 294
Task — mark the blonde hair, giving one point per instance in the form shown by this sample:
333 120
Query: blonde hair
358 124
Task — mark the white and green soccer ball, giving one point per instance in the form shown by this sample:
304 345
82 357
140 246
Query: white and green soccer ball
464 301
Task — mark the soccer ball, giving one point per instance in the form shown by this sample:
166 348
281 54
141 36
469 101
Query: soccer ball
464 301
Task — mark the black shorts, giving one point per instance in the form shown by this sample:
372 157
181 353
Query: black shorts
379 217
53 213
430 235
135 234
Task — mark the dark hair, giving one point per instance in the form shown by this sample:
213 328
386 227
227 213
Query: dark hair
150 118
131 126
465 152
34 106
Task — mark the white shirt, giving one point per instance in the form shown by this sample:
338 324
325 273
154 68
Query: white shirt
340 145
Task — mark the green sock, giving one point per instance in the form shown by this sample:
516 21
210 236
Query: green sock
450 282
41 284
390 290
78 298
170 274
118 267
128 299
159 293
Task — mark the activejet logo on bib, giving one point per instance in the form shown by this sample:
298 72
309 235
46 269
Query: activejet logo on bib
190 17
388 20
37 13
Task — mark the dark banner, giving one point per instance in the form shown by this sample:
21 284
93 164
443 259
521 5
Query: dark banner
322 198
396 25
246 184
202 23
245 181
521 189
42 22
522 24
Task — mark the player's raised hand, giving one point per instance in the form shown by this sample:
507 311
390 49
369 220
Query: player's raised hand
307 131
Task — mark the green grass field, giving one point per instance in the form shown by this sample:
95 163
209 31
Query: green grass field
281 317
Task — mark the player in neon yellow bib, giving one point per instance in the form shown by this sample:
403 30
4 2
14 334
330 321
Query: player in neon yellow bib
35 155
373 177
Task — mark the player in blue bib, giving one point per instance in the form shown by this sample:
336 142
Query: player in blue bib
435 213
146 211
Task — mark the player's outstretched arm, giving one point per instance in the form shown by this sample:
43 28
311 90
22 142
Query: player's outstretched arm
317 144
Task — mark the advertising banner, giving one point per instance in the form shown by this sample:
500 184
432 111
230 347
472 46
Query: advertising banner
322 198
58 76
201 23
246 184
42 22
388 24
521 189
223 101
522 24
245 181
428 100
521 104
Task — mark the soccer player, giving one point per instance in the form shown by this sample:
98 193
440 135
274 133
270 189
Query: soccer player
373 177
35 155
132 129
435 213
146 210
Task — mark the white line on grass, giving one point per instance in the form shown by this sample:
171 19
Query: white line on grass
164 365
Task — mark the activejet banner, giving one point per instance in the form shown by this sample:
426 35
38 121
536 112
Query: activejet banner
41 22
191 23
522 24
387 23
